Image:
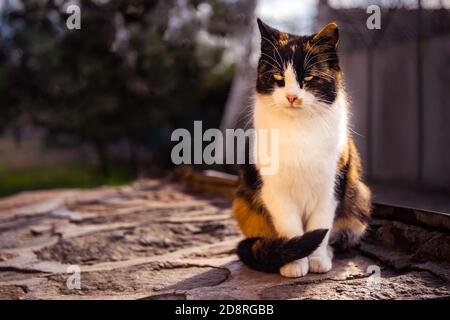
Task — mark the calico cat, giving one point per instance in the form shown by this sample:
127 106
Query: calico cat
316 201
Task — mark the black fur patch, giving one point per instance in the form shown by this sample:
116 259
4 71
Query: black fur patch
269 255
344 241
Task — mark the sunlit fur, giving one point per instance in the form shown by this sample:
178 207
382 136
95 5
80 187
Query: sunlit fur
318 184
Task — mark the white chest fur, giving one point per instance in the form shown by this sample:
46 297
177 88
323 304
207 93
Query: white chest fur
309 148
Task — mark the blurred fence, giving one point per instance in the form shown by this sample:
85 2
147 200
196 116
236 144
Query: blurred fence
397 79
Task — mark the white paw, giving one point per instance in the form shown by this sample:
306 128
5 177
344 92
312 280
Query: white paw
295 269
320 264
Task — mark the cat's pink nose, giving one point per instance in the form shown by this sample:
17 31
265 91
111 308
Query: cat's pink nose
291 97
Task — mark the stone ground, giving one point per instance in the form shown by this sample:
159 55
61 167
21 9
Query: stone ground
155 240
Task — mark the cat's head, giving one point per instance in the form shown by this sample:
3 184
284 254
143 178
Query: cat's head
298 72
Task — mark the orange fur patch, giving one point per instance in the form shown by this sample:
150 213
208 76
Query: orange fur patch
252 223
283 39
326 31
349 223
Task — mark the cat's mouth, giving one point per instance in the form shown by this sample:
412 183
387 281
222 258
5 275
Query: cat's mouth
295 105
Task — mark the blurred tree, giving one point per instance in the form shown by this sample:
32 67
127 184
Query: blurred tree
136 70
244 75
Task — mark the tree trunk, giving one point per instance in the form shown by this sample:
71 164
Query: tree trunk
240 91
241 88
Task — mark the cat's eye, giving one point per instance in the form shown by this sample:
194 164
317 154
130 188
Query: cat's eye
278 77
308 78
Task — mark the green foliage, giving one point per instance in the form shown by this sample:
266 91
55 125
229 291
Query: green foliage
126 75
70 176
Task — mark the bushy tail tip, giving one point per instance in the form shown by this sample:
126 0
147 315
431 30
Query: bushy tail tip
270 254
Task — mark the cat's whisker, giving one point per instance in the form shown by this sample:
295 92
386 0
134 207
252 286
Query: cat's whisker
265 54
317 62
277 68
321 74
326 55
324 59
324 98
310 51
357 133
309 55
327 125
264 73
274 46
319 71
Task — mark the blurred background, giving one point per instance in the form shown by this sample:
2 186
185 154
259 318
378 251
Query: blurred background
81 108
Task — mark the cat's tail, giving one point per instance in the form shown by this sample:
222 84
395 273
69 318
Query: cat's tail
270 254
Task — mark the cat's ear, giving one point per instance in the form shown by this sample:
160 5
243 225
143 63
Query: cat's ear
268 34
329 35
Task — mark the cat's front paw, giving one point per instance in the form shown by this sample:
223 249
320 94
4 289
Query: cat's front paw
295 269
320 264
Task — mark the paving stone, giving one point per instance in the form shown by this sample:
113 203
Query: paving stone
155 240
